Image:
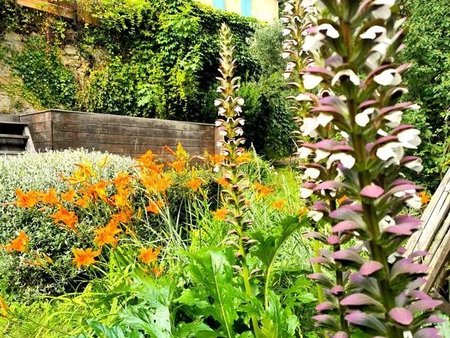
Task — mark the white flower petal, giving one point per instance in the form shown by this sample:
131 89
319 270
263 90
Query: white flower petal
304 152
348 161
383 12
311 173
311 81
316 216
388 77
414 202
308 128
362 119
323 119
308 3
350 74
320 155
329 30
390 150
373 33
394 118
415 165
386 222
313 42
305 193
409 138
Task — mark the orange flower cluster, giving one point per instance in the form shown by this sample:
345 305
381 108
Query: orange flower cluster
84 257
27 200
279 204
194 183
19 244
150 256
154 207
65 217
220 214
262 190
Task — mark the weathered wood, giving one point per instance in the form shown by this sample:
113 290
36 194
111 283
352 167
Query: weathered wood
52 8
124 135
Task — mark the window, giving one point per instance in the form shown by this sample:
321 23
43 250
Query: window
246 7
220 4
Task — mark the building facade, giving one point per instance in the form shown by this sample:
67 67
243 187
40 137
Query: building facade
265 10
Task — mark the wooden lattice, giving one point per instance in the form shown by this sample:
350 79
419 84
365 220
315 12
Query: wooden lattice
434 237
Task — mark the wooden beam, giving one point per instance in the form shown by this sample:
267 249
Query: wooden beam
45 6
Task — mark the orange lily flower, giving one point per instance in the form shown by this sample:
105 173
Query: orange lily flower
98 190
123 217
279 204
68 218
122 180
84 257
50 197
220 214
194 183
149 255
154 206
106 235
19 244
262 190
222 181
68 196
424 197
178 165
26 200
83 202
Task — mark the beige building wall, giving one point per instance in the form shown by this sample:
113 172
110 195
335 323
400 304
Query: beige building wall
265 10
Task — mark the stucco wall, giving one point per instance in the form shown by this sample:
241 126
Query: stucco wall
266 10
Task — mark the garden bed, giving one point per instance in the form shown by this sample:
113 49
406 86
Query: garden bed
132 136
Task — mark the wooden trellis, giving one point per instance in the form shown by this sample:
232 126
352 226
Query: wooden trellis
71 9
434 237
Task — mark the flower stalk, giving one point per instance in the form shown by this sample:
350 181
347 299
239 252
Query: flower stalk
230 127
354 169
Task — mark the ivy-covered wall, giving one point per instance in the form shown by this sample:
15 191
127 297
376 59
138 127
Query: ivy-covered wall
145 58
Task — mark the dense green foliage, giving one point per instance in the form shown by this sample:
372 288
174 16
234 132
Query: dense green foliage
155 59
428 81
43 74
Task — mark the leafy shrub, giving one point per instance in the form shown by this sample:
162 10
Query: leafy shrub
428 48
44 75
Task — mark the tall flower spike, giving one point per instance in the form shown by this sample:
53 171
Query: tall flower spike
299 18
230 127
354 44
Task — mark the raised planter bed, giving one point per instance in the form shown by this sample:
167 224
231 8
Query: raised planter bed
132 136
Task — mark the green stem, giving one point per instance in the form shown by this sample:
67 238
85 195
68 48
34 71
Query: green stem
318 269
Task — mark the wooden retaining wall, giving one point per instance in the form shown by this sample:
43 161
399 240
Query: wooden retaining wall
132 136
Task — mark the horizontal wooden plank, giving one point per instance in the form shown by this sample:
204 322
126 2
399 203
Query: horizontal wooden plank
158 136
36 117
105 119
48 7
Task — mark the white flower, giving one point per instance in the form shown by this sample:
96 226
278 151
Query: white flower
345 135
309 126
302 97
373 60
286 75
240 101
388 77
390 150
304 152
305 193
389 3
403 193
407 334
238 109
316 216
290 66
409 138
217 102
414 202
239 131
286 32
323 119
414 107
311 173
348 161
285 55
381 48
223 132
383 12
373 33
362 119
288 7
222 111
308 3
311 81
415 165
386 222
218 123
394 118
313 42
320 155
329 30
347 73
381 132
